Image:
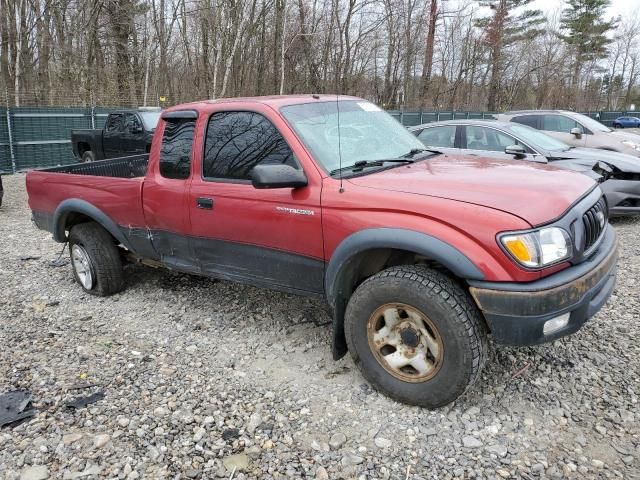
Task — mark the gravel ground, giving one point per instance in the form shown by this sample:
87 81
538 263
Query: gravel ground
205 379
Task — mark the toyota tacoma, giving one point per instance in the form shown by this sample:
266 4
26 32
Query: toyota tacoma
421 256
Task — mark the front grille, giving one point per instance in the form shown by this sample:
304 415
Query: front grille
594 221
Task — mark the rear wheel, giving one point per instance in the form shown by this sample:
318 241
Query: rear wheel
415 335
88 156
95 259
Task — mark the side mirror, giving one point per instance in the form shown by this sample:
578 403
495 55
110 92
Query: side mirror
576 132
277 176
516 150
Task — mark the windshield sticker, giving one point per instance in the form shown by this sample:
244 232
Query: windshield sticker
369 107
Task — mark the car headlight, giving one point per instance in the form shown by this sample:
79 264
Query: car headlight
538 248
631 144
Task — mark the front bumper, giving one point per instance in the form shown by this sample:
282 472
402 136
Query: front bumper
516 312
623 196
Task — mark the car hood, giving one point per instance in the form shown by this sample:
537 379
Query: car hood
590 156
537 193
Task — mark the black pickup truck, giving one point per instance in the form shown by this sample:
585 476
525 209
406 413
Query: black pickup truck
126 132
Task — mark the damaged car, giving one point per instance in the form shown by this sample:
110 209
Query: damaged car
618 173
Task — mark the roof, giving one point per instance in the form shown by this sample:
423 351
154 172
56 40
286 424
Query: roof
275 101
519 112
469 121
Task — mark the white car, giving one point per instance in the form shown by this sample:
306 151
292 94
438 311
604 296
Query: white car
576 129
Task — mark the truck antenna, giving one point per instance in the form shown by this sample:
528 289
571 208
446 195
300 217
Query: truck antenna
341 190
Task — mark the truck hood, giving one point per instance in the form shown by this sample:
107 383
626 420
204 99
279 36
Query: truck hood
537 193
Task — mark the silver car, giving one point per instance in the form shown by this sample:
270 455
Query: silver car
512 141
576 129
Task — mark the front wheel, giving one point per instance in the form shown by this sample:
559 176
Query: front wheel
617 125
95 259
416 335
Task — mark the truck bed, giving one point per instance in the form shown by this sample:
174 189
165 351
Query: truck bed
121 167
112 186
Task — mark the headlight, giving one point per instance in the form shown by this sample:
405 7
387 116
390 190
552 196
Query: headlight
538 248
631 144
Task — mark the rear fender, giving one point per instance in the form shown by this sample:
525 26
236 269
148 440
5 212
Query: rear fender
75 206
339 274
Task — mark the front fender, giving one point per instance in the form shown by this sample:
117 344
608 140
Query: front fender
339 272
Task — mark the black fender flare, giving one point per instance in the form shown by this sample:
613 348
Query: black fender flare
337 278
75 205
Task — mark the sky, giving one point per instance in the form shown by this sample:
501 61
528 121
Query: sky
617 7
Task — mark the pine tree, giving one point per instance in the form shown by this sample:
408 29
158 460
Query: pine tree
511 22
586 32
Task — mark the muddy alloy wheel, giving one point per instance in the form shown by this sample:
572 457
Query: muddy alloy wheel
95 259
405 342
416 335
82 266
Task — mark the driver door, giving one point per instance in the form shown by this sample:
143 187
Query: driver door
266 237
132 141
559 126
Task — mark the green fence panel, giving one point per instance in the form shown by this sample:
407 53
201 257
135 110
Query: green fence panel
5 159
43 155
5 151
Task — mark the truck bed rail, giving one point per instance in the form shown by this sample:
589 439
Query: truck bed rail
122 167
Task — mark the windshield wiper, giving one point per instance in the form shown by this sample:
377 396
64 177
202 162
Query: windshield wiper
416 151
362 164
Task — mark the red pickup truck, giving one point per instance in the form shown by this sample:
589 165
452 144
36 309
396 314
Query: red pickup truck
420 255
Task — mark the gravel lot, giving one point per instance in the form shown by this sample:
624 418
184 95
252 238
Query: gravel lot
205 379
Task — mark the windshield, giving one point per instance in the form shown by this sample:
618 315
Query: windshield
150 119
590 123
365 132
538 139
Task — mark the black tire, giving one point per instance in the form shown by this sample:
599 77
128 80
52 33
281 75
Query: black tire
617 125
88 156
453 314
104 259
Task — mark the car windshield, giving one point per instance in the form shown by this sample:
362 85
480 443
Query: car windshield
150 119
590 123
538 139
357 131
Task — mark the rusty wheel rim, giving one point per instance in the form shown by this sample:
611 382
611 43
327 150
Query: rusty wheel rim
405 342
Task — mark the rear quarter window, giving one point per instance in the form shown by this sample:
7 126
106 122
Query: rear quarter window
177 144
528 120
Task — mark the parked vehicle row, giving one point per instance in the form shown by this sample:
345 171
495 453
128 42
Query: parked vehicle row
576 129
420 255
619 173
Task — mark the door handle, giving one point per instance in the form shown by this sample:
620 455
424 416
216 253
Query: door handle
204 203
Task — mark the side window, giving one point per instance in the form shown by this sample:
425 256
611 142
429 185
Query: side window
238 141
439 136
488 139
558 123
175 153
114 123
132 123
529 120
